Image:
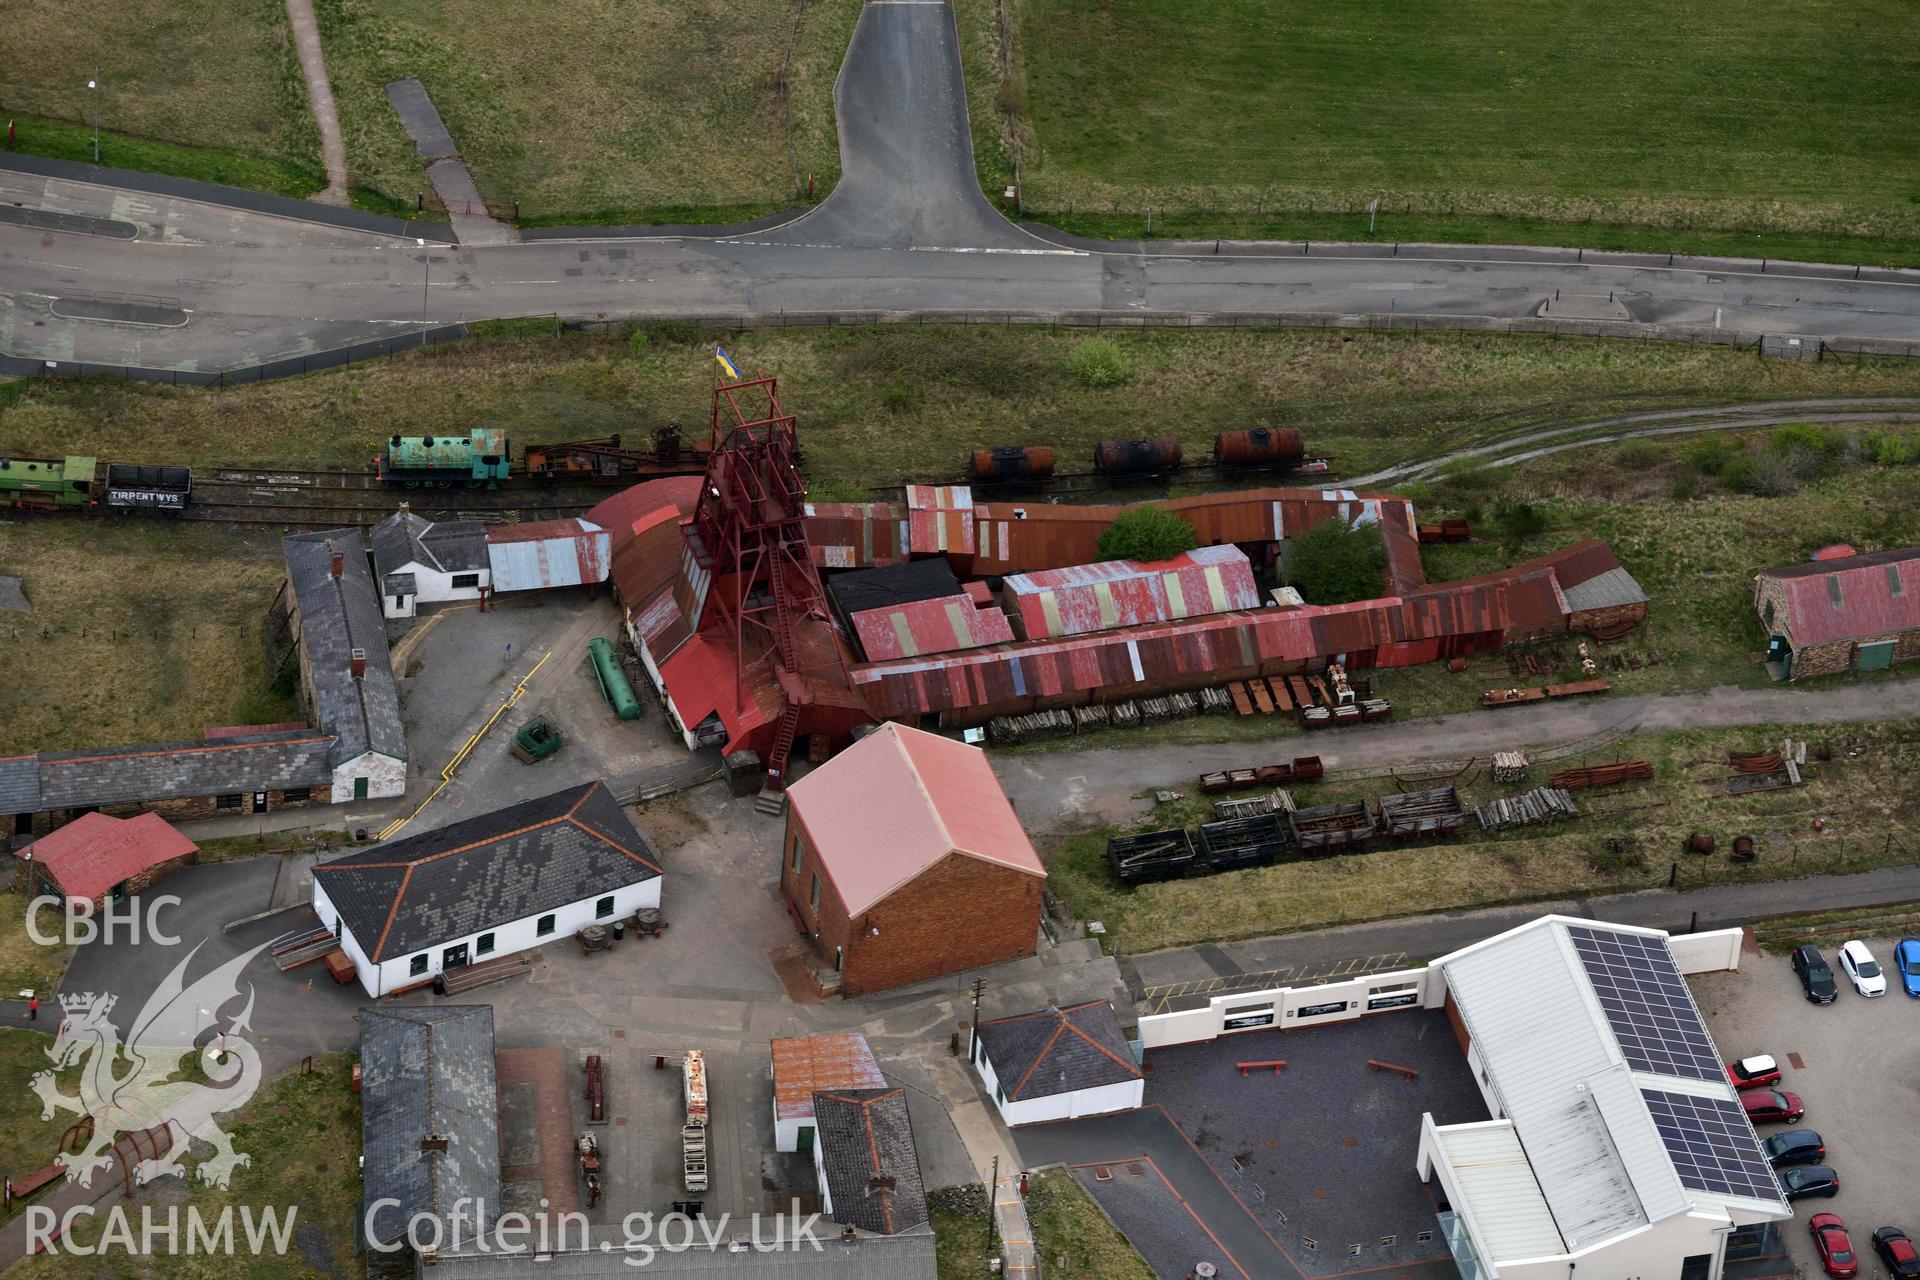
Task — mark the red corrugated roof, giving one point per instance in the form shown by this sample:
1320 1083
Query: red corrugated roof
856 535
899 801
1855 598
700 681
939 519
940 625
623 510
805 1065
540 530
94 852
1125 593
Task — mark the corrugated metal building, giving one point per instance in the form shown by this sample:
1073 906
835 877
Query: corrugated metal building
548 553
943 625
1125 593
1855 612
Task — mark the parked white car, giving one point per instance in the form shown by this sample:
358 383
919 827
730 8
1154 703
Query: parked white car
1862 969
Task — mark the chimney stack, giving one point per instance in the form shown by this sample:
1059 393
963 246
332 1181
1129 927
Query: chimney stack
433 1143
338 563
357 663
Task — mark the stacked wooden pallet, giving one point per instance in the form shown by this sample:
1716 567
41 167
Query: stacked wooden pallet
1542 804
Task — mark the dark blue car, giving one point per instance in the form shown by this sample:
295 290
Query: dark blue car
1906 963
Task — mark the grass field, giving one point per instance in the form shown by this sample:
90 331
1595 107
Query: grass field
599 111
139 633
1075 1240
217 78
26 1141
1783 123
25 963
1866 799
877 405
303 1132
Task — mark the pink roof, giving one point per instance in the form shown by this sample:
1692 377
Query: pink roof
900 800
1855 598
95 852
941 625
1127 593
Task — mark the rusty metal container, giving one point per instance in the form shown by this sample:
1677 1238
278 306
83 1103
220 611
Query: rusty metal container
1743 850
1259 447
1011 462
1136 457
1700 842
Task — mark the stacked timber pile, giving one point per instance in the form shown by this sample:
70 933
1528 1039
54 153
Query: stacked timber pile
1091 717
1602 775
1033 726
1542 804
1214 701
1278 802
1124 715
1510 766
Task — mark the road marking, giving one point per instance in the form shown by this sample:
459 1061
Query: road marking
446 775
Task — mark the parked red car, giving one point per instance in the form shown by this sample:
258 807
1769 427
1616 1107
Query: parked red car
1772 1106
1835 1245
1756 1072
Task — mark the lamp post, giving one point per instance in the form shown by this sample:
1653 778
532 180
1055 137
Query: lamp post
93 86
426 276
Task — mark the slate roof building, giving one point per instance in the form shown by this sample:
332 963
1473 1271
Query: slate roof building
864 1157
1850 613
903 861
235 772
486 887
96 857
1058 1064
1618 1144
806 1065
429 1118
419 561
346 675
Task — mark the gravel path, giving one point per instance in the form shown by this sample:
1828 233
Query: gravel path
313 66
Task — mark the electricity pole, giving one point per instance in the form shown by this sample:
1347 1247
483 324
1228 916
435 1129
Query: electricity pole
426 276
94 85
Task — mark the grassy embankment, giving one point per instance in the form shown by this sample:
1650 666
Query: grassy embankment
1075 1240
1762 132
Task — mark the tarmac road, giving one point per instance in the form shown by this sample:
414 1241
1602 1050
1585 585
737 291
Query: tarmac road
907 229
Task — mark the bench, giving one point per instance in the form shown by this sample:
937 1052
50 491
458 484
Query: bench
1378 1065
24 1187
1248 1067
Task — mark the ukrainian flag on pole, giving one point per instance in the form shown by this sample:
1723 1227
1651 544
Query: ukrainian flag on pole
726 365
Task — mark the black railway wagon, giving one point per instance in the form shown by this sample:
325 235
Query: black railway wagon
131 487
1150 856
1244 842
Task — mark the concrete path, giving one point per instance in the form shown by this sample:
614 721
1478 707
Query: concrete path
1063 788
1017 1257
452 181
313 67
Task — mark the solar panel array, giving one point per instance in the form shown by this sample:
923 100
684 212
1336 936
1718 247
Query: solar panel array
1647 1004
1712 1145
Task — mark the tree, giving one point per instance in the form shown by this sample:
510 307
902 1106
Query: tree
1146 533
1334 562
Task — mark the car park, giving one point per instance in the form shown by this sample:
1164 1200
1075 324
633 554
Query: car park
1772 1106
1816 979
1796 1146
1891 1243
1835 1245
1906 963
1862 969
1809 1181
1755 1072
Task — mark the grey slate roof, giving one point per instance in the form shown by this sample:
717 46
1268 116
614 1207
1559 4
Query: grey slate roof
1614 587
1036 1055
487 871
864 1135
399 584
451 546
20 784
904 1257
428 1072
337 617
152 771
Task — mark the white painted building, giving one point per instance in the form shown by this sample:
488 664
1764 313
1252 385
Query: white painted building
418 561
1617 1148
486 887
1058 1064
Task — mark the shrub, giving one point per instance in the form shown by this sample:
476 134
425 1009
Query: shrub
1518 523
1146 533
1637 455
1099 362
1709 456
1333 563
1889 450
1804 436
1737 473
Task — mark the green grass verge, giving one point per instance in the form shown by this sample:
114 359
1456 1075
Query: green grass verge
303 1134
24 963
1625 842
1075 1240
599 112
1663 116
65 141
27 1143
877 405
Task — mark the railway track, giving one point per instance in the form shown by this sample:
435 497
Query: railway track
290 497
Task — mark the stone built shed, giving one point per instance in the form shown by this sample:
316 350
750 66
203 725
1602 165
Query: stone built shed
1853 613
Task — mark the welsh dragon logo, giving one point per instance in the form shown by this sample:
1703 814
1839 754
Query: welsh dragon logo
132 1088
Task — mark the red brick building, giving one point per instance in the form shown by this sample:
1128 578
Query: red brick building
904 861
